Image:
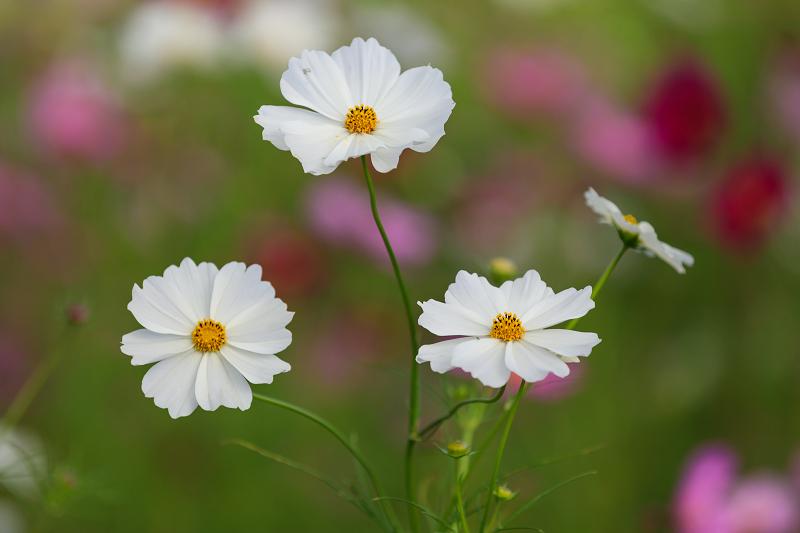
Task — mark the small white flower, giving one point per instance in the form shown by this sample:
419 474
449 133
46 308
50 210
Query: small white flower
269 31
210 331
160 36
641 235
358 103
504 329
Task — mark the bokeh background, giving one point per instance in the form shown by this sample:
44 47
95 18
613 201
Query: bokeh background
127 143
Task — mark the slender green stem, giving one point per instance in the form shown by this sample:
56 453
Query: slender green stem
29 391
431 428
503 439
414 409
602 280
347 444
460 500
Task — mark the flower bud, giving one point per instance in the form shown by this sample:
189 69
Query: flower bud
77 313
503 269
503 493
457 448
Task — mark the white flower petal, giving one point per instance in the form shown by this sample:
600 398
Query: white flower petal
255 367
565 305
266 314
386 159
354 145
194 283
475 293
171 383
602 206
219 383
370 70
445 319
525 292
236 289
317 82
312 143
270 118
157 313
649 242
147 347
440 355
484 359
420 99
563 341
268 342
533 363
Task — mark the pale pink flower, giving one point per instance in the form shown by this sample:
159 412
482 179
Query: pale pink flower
533 82
339 212
72 113
552 388
763 503
615 141
707 478
26 205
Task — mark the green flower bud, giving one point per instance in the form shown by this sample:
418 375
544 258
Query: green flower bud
504 493
457 448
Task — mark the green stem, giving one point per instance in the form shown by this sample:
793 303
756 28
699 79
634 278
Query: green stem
460 500
503 439
414 410
431 428
602 280
29 391
347 444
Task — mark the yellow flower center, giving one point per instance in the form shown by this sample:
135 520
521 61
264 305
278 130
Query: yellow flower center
631 219
507 327
208 336
361 119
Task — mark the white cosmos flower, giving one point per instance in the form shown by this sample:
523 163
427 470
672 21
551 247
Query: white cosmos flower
358 103
504 329
210 331
23 464
641 234
161 36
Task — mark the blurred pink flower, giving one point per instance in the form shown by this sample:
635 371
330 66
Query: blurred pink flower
749 203
72 113
763 504
686 111
291 261
785 91
339 212
711 500
615 141
552 388
707 478
533 82
26 205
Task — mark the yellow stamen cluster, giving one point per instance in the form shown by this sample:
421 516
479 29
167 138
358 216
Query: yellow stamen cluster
208 336
631 219
361 119
507 327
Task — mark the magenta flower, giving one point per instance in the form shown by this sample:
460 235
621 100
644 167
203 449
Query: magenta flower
686 112
749 203
72 113
339 212
533 82
615 141
763 503
710 498
700 499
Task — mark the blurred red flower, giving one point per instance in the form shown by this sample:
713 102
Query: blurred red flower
686 112
292 262
749 203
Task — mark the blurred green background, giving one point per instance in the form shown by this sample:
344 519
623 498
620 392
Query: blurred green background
116 163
